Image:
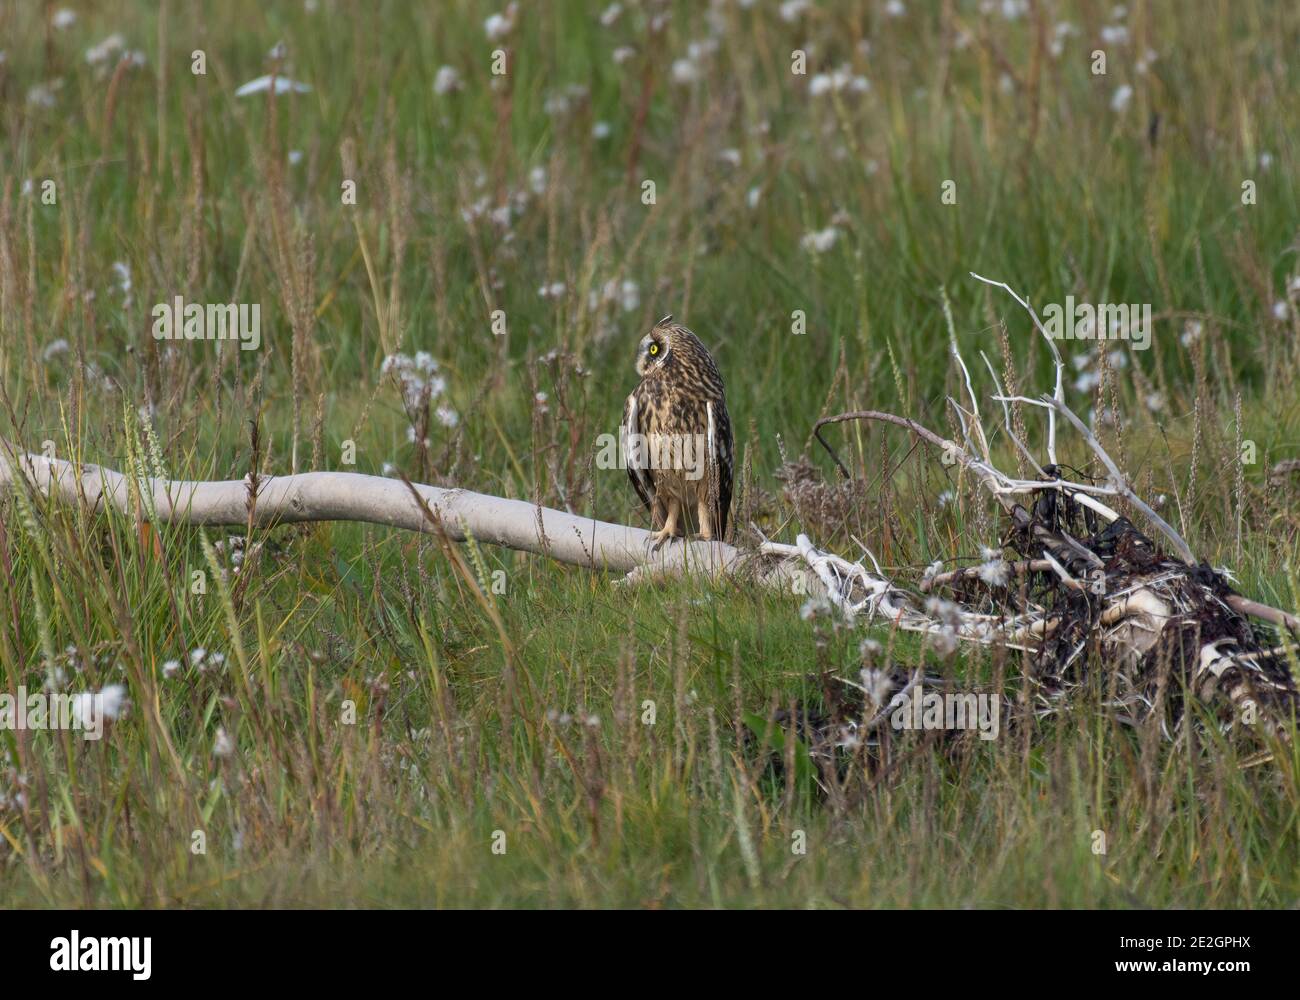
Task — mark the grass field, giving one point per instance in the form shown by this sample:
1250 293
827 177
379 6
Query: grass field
412 201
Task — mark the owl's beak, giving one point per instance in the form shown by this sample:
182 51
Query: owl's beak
642 359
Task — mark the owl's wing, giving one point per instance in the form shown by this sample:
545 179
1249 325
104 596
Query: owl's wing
636 453
720 458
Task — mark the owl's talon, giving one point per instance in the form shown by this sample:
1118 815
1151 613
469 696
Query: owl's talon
658 540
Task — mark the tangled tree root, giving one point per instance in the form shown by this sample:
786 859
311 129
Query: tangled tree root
1084 584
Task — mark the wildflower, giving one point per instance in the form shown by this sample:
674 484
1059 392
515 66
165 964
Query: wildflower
171 668
42 95
792 10
100 53
947 612
123 272
877 685
498 26
54 347
837 80
447 80
281 85
223 745
945 641
630 295
685 71
447 416
821 240
1119 102
89 708
475 210
1087 381
813 607
627 294
994 570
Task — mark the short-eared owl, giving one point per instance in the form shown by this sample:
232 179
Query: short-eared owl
677 434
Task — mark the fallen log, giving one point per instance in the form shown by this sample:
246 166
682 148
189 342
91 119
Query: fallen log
351 496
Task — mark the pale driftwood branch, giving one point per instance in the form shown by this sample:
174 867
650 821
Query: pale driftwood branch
1245 606
1058 391
1120 482
1056 404
349 496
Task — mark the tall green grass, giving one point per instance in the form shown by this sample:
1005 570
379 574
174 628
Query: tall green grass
533 725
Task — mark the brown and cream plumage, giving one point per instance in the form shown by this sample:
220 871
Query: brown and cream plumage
677 435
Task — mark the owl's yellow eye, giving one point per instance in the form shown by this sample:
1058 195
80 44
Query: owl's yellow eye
654 349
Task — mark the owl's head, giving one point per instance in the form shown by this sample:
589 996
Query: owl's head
652 353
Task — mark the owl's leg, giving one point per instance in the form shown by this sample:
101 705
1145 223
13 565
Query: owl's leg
670 524
704 511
